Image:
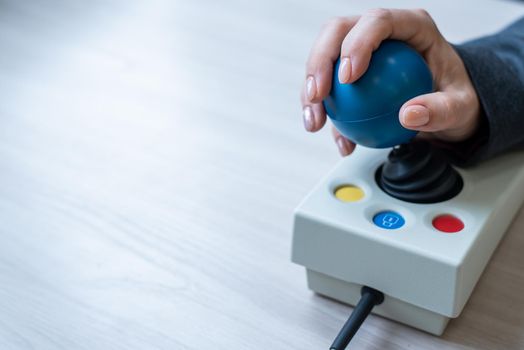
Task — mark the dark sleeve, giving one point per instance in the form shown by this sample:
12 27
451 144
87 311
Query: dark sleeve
495 65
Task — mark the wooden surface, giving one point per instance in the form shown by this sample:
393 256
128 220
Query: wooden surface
151 155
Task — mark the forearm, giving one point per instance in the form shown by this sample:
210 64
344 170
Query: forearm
495 65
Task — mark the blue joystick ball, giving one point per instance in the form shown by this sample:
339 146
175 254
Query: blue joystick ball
366 111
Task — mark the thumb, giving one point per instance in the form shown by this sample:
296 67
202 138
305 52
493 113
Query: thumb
450 115
432 112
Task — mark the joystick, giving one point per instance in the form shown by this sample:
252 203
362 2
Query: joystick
400 232
366 112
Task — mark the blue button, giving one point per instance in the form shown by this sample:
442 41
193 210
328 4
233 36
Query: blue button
389 220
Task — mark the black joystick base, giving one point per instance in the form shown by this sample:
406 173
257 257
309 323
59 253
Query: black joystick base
417 173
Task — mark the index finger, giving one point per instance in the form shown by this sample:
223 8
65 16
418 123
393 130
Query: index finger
325 51
412 26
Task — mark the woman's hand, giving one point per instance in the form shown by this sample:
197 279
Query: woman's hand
451 113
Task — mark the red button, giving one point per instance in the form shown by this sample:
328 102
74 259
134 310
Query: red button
448 223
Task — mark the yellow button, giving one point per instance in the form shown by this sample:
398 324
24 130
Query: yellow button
349 193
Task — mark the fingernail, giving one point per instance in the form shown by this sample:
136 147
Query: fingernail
311 88
343 146
344 70
309 118
415 116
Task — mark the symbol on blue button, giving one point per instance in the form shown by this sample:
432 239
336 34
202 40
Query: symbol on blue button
389 220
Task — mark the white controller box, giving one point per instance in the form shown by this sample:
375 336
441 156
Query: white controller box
425 274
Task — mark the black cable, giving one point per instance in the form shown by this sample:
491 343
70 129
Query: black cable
370 298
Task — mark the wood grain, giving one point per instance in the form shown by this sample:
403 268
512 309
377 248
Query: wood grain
151 155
